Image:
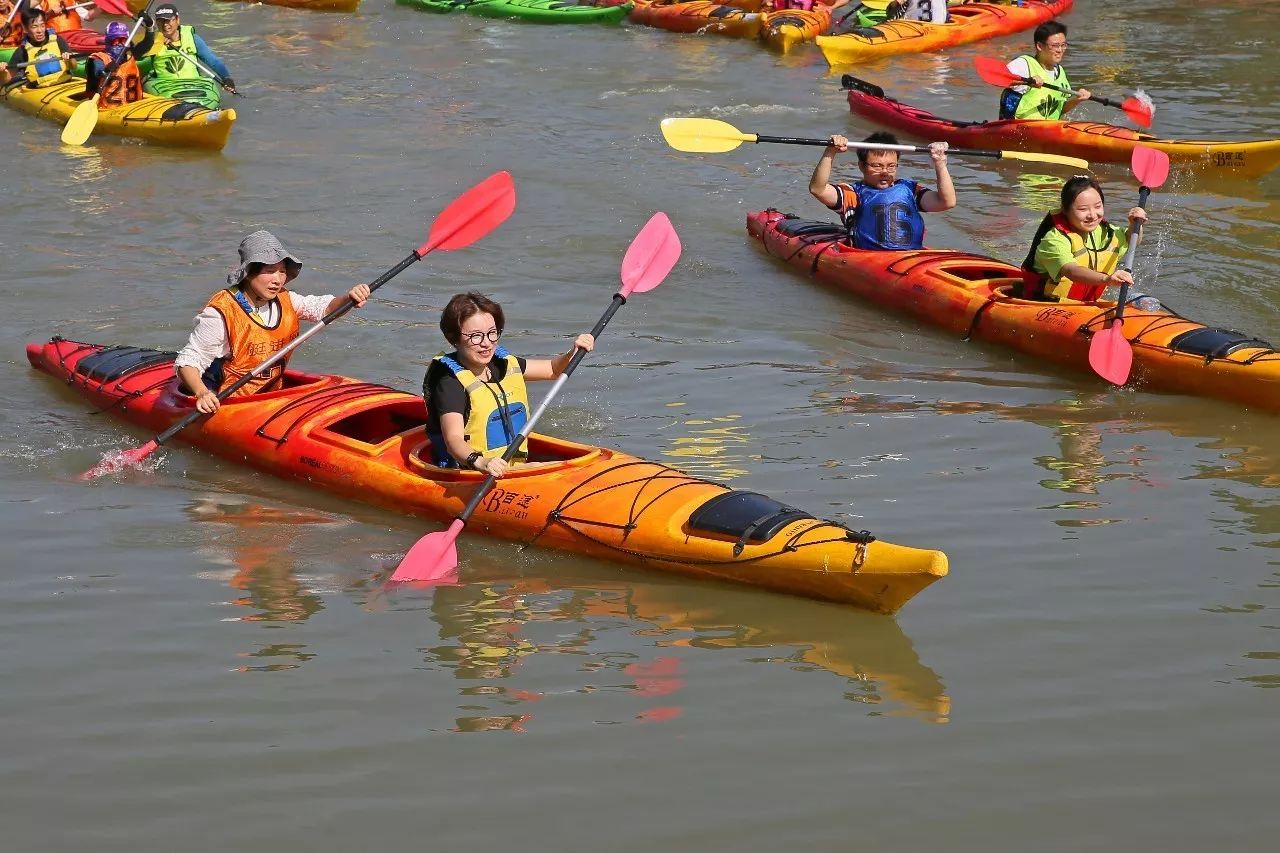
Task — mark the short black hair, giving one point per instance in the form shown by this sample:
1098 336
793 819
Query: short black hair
880 137
1047 29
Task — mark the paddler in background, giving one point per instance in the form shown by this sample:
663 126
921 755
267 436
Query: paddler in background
1076 251
45 54
126 84
11 31
253 318
174 43
62 17
476 398
882 211
1038 102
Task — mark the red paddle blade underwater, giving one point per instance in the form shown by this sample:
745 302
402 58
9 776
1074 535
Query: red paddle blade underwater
1111 354
1150 166
433 558
994 71
650 256
119 460
472 215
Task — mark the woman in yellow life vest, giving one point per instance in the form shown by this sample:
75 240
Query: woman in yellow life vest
249 321
476 398
1045 67
1076 251
46 57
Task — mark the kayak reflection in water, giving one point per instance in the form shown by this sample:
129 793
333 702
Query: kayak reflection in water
250 320
1076 251
476 398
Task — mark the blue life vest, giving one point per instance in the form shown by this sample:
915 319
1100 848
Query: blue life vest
886 219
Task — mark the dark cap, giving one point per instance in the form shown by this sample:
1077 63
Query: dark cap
165 10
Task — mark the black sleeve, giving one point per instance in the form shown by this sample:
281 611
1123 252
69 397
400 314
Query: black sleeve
443 392
140 49
19 56
63 47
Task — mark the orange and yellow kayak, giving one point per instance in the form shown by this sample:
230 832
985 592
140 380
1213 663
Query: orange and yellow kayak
967 23
971 297
1100 143
699 17
783 30
368 442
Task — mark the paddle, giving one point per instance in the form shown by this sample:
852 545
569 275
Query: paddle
649 258
85 118
1110 353
712 136
996 73
468 217
212 74
111 7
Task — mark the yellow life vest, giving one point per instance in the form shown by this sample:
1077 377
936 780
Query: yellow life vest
47 66
498 411
171 62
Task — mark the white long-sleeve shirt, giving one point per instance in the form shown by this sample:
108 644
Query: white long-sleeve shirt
209 341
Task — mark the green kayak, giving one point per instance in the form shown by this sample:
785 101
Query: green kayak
202 91
539 11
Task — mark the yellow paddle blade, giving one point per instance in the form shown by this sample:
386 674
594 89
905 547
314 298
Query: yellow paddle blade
82 122
1030 157
703 135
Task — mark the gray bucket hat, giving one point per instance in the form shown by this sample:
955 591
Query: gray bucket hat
262 247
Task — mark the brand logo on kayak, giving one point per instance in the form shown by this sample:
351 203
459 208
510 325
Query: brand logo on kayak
323 466
1054 317
506 502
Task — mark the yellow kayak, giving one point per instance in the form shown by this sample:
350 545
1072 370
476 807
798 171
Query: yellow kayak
162 120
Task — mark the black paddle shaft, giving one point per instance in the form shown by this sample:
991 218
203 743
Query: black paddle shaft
1144 192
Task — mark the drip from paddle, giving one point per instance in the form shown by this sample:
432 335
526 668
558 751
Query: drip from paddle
1110 353
1138 108
712 136
469 217
80 126
650 257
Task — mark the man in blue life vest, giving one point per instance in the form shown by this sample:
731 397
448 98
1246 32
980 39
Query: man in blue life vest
173 44
882 211
1044 69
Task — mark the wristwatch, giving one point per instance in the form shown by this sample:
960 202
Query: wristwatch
471 460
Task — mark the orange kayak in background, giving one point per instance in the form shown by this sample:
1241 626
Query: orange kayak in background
970 296
968 23
783 30
368 442
1100 143
698 17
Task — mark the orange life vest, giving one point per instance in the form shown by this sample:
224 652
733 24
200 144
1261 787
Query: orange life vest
125 85
252 343
14 35
68 20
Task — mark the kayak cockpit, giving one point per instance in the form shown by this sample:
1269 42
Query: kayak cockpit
547 455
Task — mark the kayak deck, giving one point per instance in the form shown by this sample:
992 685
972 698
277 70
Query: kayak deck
368 442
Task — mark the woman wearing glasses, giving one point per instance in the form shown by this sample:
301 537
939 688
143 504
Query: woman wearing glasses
476 398
881 211
1044 69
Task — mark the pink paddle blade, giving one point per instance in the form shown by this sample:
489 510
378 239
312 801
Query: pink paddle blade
1150 166
994 71
1111 354
113 7
650 256
472 215
434 557
119 460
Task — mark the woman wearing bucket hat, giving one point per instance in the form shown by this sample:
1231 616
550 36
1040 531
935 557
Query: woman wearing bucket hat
250 320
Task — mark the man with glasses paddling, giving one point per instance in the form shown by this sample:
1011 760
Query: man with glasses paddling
172 46
1044 69
882 211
